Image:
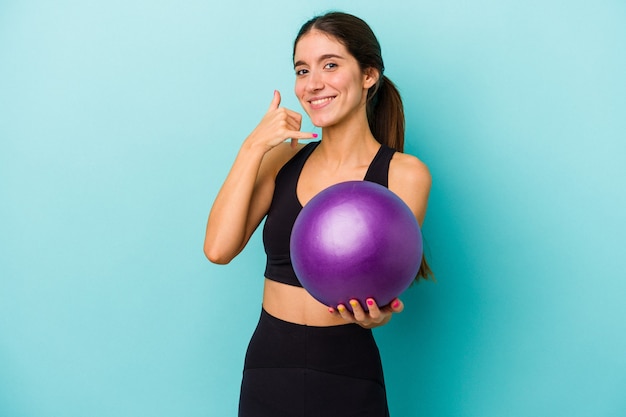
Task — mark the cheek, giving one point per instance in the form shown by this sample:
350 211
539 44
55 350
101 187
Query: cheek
298 88
346 82
299 91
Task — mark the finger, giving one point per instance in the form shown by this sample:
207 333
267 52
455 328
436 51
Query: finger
296 134
344 313
294 120
284 117
293 124
294 116
373 309
275 101
303 135
357 310
396 305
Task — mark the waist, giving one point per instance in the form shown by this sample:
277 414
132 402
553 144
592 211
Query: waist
295 305
279 345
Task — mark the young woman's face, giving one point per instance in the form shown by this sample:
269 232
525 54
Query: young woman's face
330 84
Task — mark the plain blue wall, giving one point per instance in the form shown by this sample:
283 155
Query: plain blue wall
119 120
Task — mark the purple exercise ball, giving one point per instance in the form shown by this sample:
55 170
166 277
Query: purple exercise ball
356 240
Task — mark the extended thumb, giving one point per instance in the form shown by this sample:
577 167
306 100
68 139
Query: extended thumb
275 100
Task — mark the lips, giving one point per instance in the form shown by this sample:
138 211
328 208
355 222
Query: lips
320 102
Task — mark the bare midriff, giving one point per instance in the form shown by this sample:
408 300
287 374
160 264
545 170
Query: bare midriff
296 305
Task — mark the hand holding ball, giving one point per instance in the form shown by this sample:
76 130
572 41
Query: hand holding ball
356 240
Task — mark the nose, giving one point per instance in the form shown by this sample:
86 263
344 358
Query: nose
314 81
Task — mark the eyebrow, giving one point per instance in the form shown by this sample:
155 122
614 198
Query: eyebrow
321 58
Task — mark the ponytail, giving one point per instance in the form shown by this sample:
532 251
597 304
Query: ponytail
385 115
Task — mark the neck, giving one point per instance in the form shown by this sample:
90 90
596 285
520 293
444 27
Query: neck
348 144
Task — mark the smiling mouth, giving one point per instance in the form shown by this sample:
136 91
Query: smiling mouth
321 101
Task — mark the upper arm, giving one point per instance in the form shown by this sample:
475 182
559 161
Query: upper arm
410 179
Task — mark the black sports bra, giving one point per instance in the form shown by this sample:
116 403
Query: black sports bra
285 208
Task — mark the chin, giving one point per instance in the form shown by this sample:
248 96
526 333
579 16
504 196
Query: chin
321 123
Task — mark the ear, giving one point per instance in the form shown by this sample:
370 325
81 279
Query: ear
370 77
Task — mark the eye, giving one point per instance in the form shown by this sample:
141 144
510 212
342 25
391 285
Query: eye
330 65
301 72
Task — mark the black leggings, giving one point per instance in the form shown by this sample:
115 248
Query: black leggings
292 370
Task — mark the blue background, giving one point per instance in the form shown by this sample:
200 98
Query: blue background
119 121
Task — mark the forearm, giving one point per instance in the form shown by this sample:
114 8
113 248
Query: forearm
228 225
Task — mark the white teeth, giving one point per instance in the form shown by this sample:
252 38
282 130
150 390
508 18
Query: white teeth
321 101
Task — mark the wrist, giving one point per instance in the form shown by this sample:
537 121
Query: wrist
254 147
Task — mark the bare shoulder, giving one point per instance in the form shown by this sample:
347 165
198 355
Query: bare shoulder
410 179
407 171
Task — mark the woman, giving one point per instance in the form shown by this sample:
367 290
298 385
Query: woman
307 359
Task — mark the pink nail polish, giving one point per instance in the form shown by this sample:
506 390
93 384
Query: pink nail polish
370 302
314 135
396 304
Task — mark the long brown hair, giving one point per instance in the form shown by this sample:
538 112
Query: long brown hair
385 111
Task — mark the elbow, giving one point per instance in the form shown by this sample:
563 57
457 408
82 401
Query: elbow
217 256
